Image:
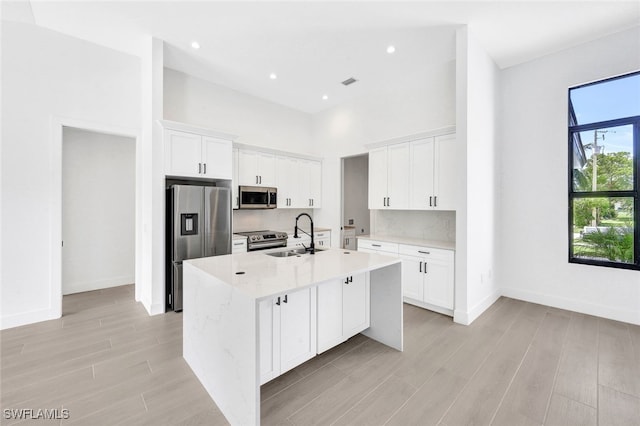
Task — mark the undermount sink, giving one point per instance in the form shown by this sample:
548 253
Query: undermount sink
290 252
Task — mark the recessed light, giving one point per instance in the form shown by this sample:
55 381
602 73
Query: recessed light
195 45
273 76
391 49
325 97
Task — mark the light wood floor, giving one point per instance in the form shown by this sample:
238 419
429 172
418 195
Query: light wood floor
108 362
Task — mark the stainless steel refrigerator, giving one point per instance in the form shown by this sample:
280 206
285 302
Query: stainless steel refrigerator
198 225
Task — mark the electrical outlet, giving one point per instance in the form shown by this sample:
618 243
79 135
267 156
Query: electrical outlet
350 221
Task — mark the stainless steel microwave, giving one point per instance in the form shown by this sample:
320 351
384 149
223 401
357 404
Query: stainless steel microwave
258 197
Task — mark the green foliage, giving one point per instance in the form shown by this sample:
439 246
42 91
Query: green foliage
616 244
615 173
583 210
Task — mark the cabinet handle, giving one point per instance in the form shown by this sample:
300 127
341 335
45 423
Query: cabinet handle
205 168
376 245
285 299
435 201
423 252
346 280
425 267
388 201
199 168
420 266
256 179
260 179
431 201
278 302
351 279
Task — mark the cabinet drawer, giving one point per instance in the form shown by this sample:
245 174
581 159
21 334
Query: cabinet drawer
419 251
323 234
378 245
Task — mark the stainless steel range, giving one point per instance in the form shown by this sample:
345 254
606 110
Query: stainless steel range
260 240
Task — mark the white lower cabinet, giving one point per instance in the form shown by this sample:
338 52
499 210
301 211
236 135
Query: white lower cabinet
321 239
428 276
343 310
238 245
287 332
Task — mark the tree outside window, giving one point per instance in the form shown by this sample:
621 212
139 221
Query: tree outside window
604 133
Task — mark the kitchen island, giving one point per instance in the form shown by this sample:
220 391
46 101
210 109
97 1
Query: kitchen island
228 306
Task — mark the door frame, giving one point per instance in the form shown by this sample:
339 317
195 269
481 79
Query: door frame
57 126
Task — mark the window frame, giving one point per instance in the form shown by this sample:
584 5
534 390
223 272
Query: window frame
634 121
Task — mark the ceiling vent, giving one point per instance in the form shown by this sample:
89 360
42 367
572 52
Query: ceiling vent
349 81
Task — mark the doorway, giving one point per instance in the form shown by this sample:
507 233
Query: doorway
98 210
355 199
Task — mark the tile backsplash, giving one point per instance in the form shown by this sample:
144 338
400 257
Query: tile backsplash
268 219
428 225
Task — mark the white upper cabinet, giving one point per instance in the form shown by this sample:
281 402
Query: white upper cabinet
256 168
311 182
389 177
287 171
433 173
416 175
446 172
217 157
193 155
422 174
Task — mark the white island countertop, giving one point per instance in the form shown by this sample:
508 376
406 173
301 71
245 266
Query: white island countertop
231 320
267 276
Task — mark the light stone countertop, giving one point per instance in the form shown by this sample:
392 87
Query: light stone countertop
446 245
267 276
238 237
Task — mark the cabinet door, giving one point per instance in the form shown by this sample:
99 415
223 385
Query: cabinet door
315 183
304 185
269 329
412 277
378 178
329 315
216 158
286 181
355 305
297 328
183 154
446 172
322 242
234 180
397 176
248 167
266 169
422 174
439 282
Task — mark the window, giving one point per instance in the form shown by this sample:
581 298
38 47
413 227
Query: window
604 139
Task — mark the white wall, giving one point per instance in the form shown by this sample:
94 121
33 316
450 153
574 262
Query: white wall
477 105
47 75
355 193
257 122
98 210
345 129
534 201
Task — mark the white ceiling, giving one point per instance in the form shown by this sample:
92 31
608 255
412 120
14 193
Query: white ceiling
313 46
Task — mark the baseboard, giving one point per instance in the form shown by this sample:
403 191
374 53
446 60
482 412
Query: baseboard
467 317
617 314
98 285
31 317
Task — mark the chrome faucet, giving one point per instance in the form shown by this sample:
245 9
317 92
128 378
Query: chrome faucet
312 248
